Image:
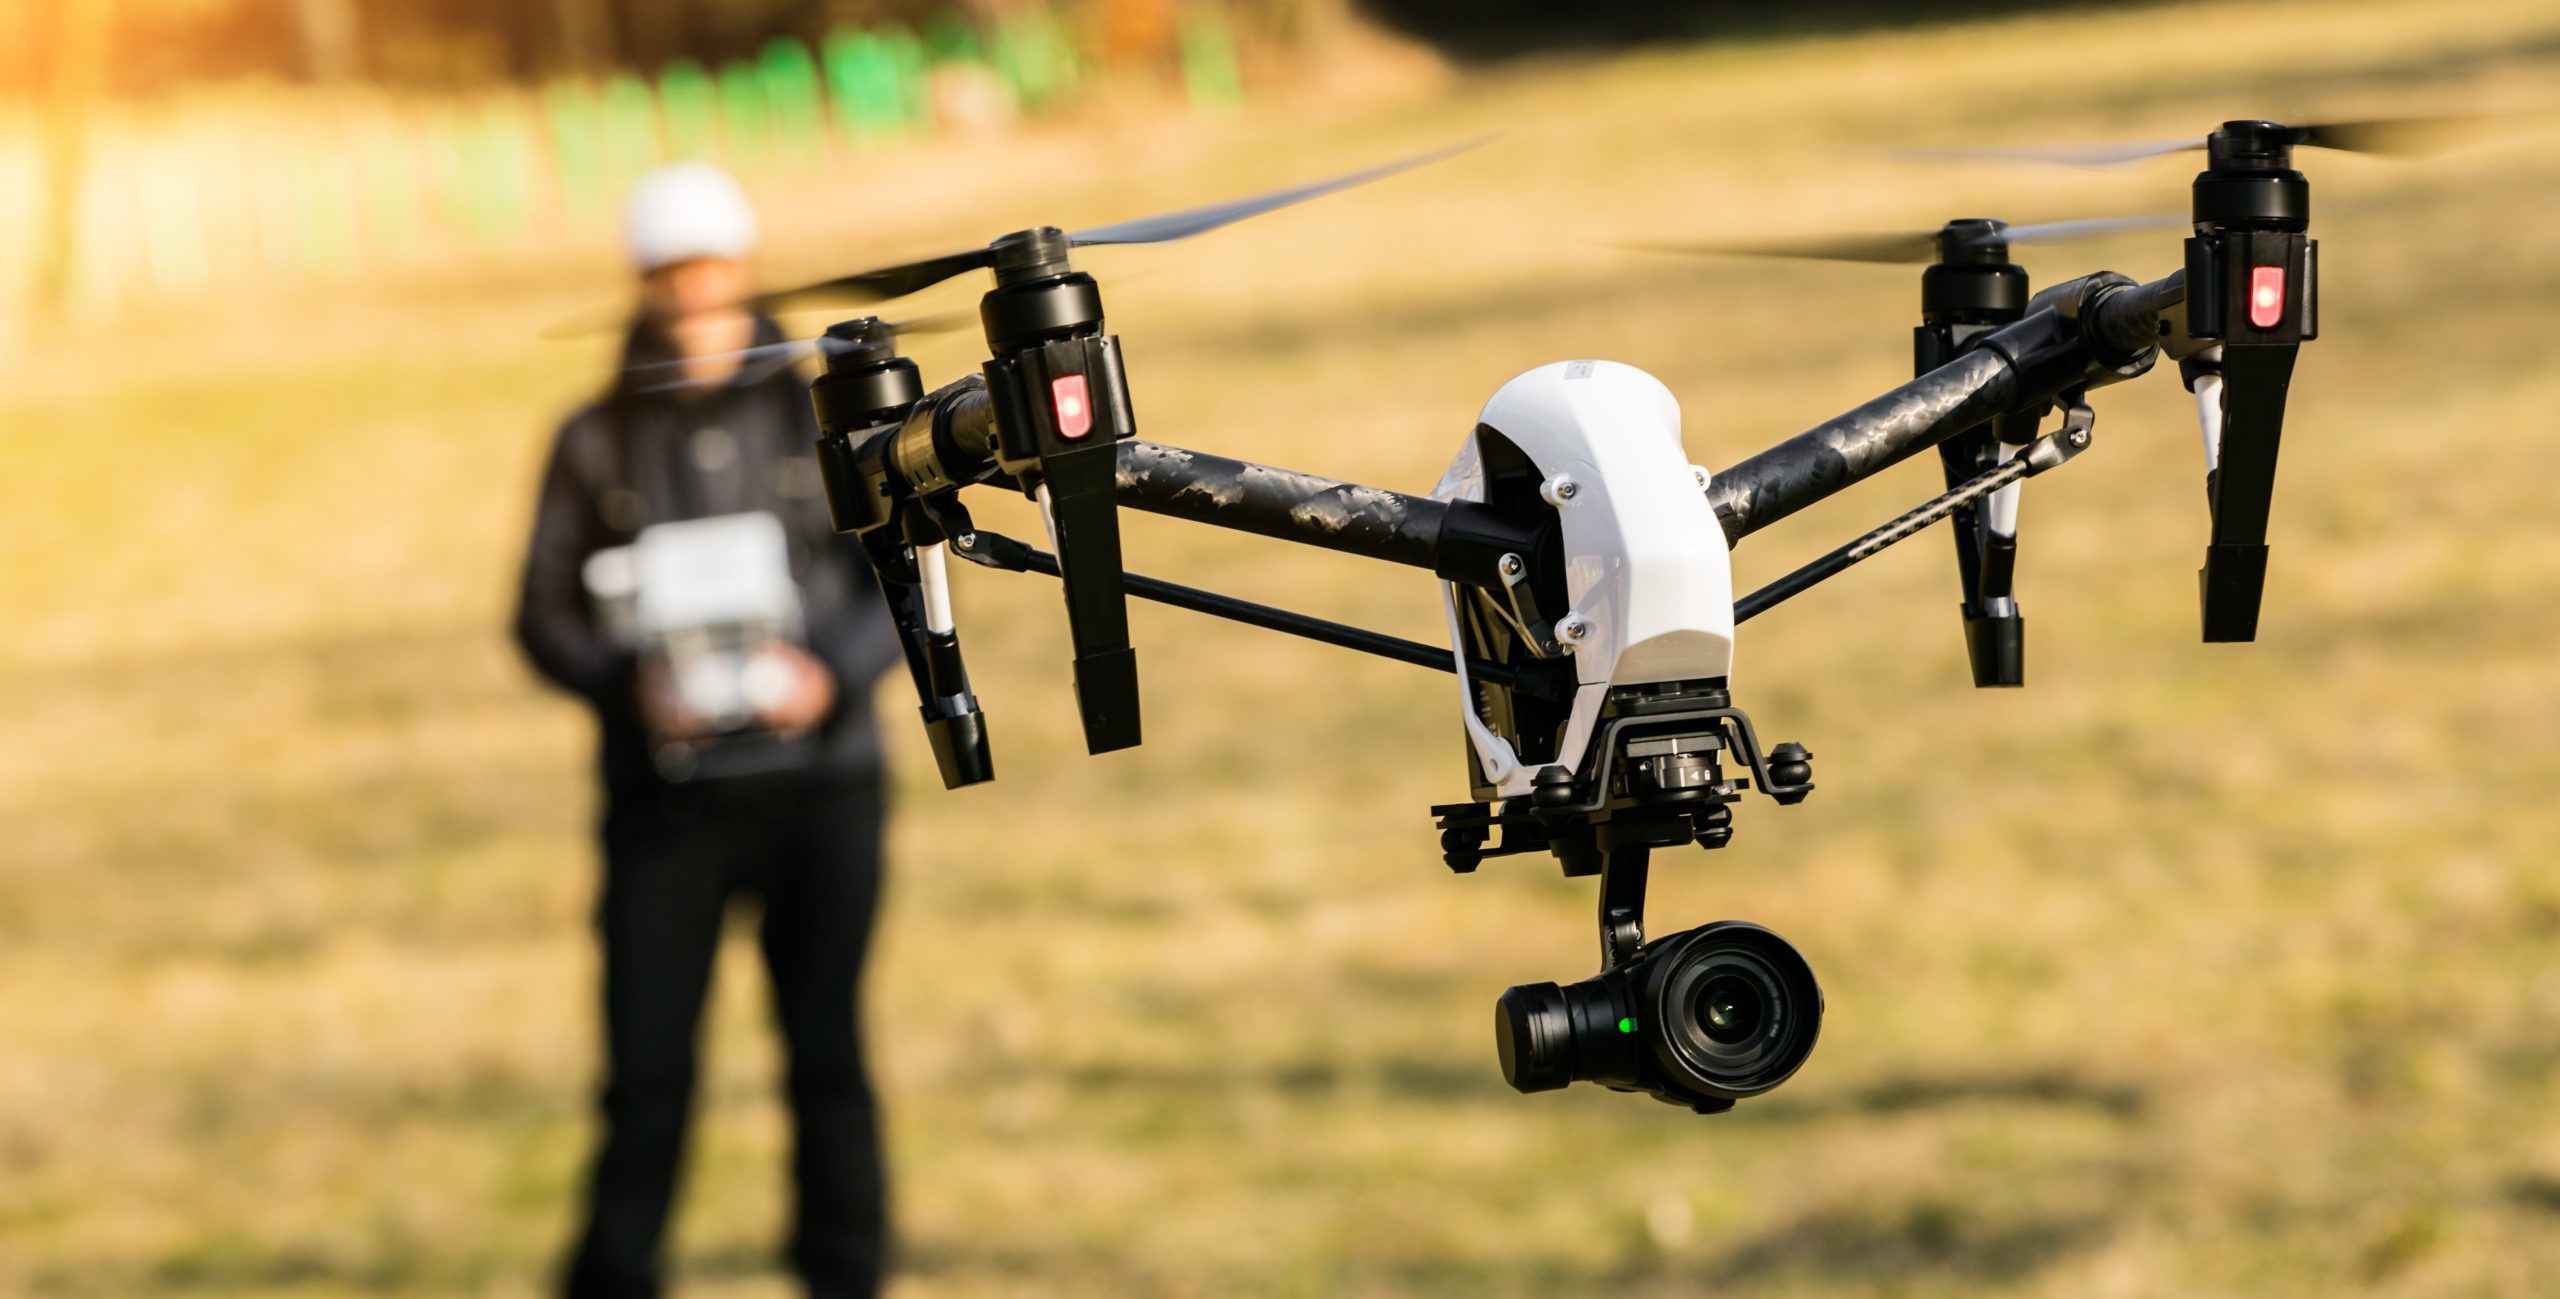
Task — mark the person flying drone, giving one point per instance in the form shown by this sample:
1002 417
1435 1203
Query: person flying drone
684 582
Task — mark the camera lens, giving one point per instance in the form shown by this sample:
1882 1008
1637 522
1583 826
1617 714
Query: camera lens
1533 1035
1738 1006
1702 1018
1730 1009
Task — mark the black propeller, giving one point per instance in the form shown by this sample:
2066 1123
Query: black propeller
897 281
2394 137
841 339
1916 246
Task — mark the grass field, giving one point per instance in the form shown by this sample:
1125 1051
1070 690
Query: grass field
2189 971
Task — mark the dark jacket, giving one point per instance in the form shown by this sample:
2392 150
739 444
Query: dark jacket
637 457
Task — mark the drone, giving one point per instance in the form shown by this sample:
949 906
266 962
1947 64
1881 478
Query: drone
1582 558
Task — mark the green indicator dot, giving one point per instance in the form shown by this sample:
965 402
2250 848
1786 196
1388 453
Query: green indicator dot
1627 1025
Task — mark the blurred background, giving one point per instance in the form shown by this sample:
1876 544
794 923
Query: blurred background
2189 970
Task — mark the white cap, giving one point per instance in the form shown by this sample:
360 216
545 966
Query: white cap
686 210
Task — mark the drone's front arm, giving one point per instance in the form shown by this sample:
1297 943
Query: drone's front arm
948 439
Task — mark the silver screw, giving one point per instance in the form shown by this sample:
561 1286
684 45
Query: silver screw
966 541
1572 628
1510 565
1566 489
2078 438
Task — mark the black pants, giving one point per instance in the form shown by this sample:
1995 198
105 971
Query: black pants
810 849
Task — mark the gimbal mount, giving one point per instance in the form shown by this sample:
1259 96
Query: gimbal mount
1583 560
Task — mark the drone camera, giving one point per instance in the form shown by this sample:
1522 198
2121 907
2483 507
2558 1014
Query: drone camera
1702 1018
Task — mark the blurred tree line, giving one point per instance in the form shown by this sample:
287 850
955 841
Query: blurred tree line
477 126
129 47
152 44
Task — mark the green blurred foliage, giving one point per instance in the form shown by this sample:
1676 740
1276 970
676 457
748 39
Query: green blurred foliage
159 45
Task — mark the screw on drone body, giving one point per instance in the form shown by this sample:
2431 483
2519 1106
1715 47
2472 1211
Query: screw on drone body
966 541
1573 628
1699 472
1559 489
1511 565
2078 438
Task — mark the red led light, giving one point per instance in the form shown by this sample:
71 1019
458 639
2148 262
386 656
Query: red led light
2266 296
1075 410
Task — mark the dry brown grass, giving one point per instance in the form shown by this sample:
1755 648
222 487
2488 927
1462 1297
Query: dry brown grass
2187 971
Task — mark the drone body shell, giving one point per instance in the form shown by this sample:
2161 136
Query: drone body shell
1648 575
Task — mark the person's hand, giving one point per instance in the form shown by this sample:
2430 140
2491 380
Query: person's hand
810 696
662 707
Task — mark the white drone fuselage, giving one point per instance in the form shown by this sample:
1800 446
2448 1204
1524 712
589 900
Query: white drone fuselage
1648 577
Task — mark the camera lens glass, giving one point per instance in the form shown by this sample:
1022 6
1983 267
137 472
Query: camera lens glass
1731 1009
1738 1006
1727 1006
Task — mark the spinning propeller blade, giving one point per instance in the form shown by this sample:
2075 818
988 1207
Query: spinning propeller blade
1914 246
667 376
806 298
897 281
1169 226
2397 137
1898 246
2067 155
2056 232
864 287
662 376
2391 137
